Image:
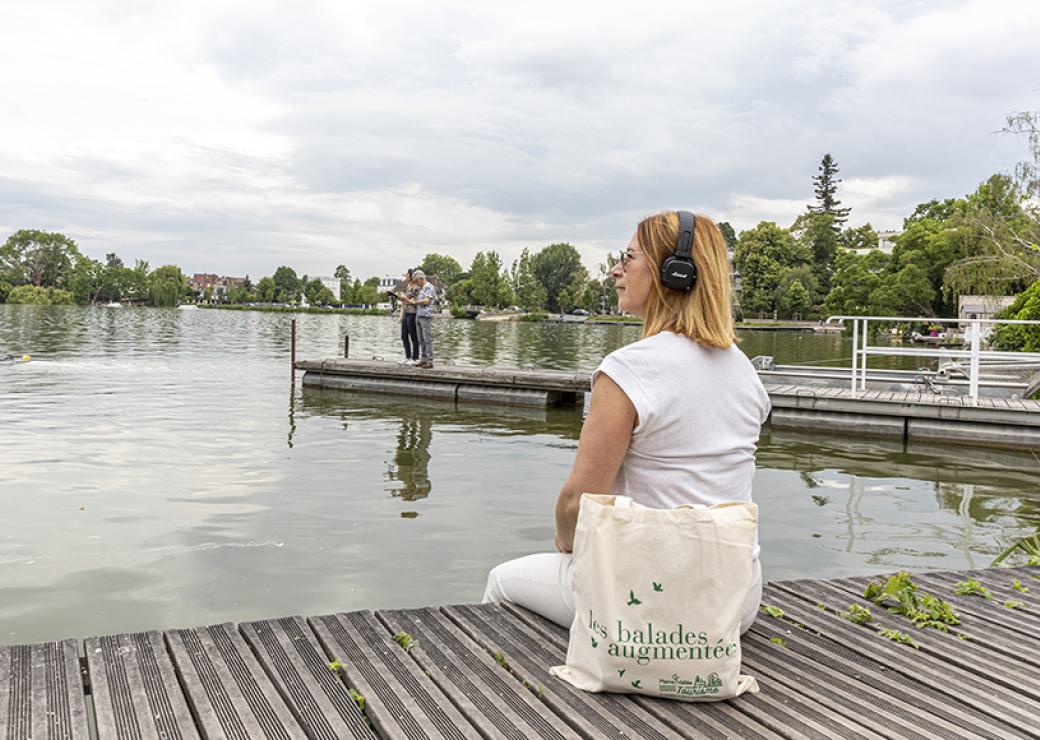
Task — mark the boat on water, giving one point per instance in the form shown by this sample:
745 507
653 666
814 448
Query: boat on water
15 358
938 340
114 304
188 307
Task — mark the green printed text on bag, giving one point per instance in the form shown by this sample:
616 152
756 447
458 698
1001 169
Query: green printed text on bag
659 595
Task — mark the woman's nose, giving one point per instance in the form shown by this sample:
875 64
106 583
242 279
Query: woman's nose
616 271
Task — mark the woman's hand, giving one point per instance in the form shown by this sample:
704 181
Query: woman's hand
604 441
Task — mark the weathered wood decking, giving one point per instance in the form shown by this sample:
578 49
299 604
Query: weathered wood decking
482 671
948 418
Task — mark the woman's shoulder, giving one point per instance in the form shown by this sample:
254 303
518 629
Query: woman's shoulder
663 344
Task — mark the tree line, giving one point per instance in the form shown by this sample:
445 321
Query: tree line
983 243
977 244
46 267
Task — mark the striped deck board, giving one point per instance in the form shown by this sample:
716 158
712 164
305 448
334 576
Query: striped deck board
482 671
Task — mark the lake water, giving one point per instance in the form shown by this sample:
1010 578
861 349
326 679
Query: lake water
158 469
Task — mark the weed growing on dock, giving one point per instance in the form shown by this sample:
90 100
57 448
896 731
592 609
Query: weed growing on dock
358 699
500 658
1012 604
405 641
821 605
336 665
971 586
857 614
898 636
778 641
540 690
1017 585
920 607
774 611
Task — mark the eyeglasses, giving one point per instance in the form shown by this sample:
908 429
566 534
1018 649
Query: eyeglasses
625 258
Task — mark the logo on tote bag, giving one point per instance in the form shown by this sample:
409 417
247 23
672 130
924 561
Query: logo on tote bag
645 643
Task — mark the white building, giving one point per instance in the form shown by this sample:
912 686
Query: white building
886 240
333 284
886 243
981 307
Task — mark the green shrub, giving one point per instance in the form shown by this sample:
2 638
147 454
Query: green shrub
1019 337
296 309
35 295
5 288
534 316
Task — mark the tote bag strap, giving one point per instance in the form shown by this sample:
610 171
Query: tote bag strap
622 502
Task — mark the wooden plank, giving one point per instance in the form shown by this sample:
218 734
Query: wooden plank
990 682
135 689
296 664
1016 624
956 691
842 690
1000 630
489 695
400 700
530 646
774 707
227 690
852 679
479 375
986 656
41 692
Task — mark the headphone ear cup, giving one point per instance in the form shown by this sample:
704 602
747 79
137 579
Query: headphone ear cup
678 273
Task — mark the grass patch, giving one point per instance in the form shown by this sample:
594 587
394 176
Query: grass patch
857 614
971 586
900 637
900 595
405 641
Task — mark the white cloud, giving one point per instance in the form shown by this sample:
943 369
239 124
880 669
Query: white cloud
234 137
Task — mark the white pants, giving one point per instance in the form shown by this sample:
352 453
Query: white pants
544 584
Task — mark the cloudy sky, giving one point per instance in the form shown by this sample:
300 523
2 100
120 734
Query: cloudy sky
234 137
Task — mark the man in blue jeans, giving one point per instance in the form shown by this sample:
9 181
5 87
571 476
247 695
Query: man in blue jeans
424 318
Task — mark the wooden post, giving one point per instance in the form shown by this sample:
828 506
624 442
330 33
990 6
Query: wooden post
346 345
292 371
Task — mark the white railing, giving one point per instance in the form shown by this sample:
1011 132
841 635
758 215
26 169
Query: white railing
975 354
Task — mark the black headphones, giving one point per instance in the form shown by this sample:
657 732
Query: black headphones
678 271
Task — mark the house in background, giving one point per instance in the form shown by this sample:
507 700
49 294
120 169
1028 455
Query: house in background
886 243
333 284
981 307
219 286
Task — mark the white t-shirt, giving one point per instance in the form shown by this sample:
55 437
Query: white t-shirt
699 410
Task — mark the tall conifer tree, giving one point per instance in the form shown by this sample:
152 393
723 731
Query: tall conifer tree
825 187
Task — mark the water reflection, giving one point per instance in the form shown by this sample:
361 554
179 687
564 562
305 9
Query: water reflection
409 474
887 505
153 475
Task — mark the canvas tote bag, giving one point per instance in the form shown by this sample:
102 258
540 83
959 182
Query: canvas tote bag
659 595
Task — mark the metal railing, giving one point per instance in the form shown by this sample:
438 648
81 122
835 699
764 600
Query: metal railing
861 350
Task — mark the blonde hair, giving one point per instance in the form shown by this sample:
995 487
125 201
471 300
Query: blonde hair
705 313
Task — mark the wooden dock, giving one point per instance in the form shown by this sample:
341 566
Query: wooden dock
482 672
1005 422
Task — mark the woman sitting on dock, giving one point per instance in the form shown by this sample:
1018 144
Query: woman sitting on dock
673 419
